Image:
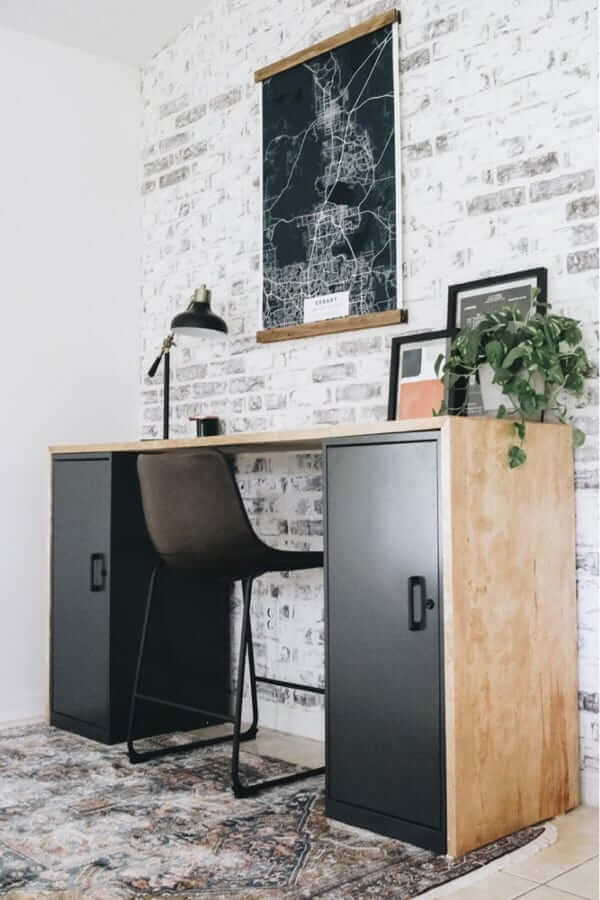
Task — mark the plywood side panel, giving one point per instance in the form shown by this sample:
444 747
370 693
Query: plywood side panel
510 631
448 653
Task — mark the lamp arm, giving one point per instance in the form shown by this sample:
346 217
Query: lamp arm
165 351
168 342
166 392
155 365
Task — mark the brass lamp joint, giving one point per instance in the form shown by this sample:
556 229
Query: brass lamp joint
168 342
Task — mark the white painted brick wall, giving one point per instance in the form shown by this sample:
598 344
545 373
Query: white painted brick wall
499 168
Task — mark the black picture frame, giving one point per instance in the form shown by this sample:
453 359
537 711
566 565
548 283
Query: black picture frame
540 275
395 355
458 399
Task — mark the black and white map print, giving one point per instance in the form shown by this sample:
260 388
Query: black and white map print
329 181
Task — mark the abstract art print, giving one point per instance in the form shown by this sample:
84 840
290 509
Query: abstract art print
415 391
330 189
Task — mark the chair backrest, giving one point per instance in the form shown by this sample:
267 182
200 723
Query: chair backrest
194 512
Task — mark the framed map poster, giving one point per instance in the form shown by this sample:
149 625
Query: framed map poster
331 217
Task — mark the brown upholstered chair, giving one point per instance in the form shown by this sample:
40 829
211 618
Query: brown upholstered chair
196 520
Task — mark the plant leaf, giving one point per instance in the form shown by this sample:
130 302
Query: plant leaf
520 429
578 437
494 352
516 353
516 456
575 383
572 334
438 363
527 402
469 345
501 412
501 376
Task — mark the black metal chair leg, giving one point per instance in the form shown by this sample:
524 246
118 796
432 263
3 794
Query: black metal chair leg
251 669
246 645
137 757
239 688
133 755
239 788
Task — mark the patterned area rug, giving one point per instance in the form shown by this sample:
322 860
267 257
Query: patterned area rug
77 820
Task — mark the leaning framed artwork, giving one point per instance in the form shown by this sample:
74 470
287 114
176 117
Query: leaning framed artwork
469 302
331 216
415 391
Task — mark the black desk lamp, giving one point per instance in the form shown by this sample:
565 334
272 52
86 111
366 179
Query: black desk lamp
197 320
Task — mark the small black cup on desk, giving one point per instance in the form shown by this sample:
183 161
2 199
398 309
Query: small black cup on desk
208 426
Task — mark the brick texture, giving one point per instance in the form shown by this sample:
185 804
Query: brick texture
499 170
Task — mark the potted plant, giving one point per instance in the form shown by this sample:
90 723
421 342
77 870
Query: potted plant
531 361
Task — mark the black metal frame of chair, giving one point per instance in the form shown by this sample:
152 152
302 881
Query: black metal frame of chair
240 788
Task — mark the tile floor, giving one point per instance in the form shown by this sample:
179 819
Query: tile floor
567 869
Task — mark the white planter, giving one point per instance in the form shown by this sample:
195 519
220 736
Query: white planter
492 395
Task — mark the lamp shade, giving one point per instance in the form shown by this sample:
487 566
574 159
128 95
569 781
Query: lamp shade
198 319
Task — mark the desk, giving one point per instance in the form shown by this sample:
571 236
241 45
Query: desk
261 441
477 732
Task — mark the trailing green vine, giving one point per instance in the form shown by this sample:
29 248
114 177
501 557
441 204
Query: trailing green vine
521 351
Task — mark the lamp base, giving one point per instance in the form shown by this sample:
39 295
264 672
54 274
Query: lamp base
208 426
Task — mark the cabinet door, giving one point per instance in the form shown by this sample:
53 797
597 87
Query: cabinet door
383 677
80 589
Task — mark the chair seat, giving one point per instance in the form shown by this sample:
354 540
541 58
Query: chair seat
290 560
248 565
197 520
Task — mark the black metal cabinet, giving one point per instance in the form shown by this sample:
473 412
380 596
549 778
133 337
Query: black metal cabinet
385 766
81 612
101 563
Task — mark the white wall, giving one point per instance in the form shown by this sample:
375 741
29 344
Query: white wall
69 287
499 103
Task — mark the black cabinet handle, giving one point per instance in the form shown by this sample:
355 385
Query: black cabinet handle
97 572
418 581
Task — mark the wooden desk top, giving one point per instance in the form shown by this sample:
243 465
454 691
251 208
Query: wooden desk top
261 441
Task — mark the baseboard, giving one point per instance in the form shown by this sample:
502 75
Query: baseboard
24 711
590 788
26 720
303 722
